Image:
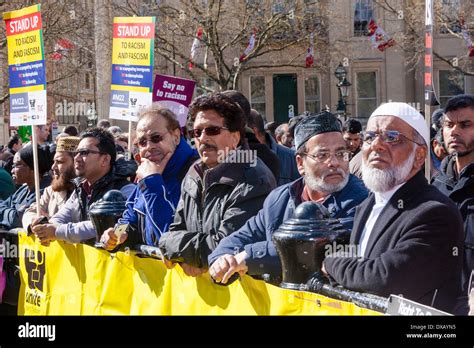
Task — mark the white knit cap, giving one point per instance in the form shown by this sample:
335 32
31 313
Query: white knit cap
406 113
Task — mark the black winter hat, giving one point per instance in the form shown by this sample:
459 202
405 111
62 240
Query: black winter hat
314 124
44 158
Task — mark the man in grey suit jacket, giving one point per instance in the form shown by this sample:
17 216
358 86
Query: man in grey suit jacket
409 236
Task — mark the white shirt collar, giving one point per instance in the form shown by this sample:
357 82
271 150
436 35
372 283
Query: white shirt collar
383 197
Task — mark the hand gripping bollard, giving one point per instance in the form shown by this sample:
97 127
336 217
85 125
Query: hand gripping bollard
106 211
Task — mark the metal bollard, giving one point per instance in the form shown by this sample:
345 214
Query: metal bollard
301 241
105 212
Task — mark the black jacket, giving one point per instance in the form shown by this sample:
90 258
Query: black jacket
415 248
461 191
213 204
268 157
108 182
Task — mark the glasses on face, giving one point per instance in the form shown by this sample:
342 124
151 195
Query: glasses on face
18 165
321 157
86 152
211 131
387 136
155 139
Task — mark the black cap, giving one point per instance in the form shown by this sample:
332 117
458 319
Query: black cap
313 124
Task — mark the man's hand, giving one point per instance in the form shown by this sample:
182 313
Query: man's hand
45 232
110 239
192 271
38 219
168 264
323 270
226 265
147 167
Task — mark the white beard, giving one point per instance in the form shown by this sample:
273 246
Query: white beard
317 183
378 180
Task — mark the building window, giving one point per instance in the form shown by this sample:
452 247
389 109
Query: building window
451 83
366 83
363 13
450 10
257 94
87 81
311 94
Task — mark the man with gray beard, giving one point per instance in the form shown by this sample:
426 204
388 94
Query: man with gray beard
323 162
409 234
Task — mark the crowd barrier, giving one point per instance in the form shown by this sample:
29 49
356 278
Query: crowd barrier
76 279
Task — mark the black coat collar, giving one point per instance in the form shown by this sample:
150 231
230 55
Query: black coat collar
399 202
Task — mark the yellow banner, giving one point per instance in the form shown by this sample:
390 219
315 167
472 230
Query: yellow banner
66 279
132 51
25 47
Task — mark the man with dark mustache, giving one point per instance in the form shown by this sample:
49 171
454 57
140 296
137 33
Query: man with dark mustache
56 195
218 194
456 176
323 162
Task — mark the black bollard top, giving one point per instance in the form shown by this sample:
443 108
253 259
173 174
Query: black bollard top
113 202
301 242
113 196
311 210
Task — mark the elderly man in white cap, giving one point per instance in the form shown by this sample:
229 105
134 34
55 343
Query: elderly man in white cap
409 235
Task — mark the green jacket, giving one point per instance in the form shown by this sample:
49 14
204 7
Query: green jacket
7 187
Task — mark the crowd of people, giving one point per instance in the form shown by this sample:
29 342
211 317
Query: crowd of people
211 197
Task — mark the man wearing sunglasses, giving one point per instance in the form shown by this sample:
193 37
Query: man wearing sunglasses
323 162
408 234
164 157
218 195
94 161
456 176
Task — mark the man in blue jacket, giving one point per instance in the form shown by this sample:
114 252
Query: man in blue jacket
323 162
164 159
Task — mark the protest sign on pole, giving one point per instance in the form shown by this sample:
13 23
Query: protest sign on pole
27 74
175 94
132 68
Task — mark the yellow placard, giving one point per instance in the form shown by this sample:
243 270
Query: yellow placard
65 279
131 52
24 48
22 12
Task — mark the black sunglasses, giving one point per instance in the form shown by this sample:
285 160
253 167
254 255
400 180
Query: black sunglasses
214 130
86 152
155 139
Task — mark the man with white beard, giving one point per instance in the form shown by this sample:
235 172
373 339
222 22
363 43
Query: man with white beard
323 162
410 236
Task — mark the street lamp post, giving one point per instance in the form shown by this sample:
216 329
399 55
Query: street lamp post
92 117
343 88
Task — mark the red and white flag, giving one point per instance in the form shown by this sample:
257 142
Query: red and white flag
310 52
249 48
379 38
467 37
196 47
61 48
